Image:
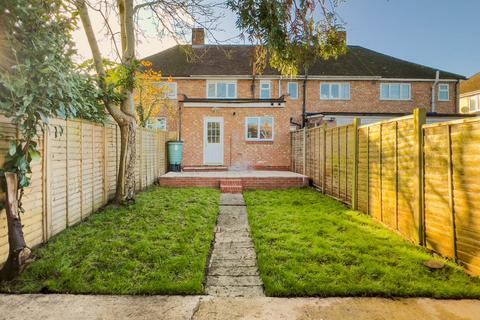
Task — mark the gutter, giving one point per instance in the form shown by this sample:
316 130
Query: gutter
434 88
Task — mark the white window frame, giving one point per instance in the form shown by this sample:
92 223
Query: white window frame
477 100
265 82
443 85
170 95
258 124
216 82
339 84
153 124
288 90
400 84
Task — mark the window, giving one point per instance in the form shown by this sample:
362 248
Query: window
473 103
259 128
157 123
335 91
395 91
221 89
265 89
292 90
443 94
169 90
213 132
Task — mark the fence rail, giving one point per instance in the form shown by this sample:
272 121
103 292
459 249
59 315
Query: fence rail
76 174
420 180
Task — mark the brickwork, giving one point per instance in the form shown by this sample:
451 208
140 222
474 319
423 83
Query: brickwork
365 97
247 183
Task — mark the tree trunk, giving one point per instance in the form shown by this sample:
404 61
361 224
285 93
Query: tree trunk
18 253
125 191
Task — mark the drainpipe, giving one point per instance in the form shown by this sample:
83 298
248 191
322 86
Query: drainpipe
434 88
304 104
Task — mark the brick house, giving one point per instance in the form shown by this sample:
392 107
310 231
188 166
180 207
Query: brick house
470 95
229 117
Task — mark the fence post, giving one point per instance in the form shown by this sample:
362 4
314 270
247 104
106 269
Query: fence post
419 119
356 124
304 154
324 160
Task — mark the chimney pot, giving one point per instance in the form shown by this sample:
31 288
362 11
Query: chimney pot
198 36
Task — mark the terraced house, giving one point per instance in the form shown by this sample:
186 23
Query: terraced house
230 117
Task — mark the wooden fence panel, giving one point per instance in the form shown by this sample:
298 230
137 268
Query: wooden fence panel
374 169
363 169
388 169
76 174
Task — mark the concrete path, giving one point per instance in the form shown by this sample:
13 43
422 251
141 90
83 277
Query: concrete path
86 307
232 270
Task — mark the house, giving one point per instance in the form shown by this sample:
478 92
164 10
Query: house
230 117
470 95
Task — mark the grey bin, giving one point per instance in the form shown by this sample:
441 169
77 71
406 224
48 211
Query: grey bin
175 155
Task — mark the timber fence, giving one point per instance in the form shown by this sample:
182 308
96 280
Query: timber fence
77 174
419 179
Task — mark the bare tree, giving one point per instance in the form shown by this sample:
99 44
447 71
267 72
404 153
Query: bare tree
172 18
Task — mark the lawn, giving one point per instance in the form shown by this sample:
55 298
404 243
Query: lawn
310 245
159 245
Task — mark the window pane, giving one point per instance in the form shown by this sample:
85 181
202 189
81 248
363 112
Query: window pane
265 91
324 91
213 132
266 128
443 92
221 90
252 128
394 91
384 89
211 90
345 91
334 91
293 90
231 90
405 92
473 103
161 123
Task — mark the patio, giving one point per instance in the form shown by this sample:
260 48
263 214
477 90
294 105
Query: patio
235 181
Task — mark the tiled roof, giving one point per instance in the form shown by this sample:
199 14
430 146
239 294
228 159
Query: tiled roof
237 60
470 85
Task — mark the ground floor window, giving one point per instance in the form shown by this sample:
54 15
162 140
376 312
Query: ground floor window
157 123
259 128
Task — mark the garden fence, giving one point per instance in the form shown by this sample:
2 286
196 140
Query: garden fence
419 179
76 174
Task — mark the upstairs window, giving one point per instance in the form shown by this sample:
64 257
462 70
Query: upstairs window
395 91
168 90
259 129
222 89
265 89
443 94
335 91
292 90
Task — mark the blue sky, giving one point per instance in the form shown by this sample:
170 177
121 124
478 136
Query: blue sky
443 34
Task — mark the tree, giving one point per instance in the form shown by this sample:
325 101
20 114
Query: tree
172 18
38 81
293 34
151 94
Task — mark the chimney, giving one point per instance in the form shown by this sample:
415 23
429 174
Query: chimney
198 36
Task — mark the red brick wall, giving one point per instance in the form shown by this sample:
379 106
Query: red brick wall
365 97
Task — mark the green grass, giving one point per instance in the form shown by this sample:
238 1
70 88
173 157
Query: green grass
310 245
159 245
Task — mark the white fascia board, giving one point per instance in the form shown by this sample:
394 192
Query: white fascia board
233 105
335 78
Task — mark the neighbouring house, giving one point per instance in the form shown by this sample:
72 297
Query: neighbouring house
470 95
233 118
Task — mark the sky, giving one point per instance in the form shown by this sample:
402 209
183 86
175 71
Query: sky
443 34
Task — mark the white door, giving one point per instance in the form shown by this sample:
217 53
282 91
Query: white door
213 141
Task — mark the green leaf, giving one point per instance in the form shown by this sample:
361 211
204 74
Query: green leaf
34 154
13 149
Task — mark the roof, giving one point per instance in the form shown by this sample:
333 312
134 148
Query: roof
236 60
470 85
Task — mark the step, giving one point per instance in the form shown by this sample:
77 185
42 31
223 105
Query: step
231 186
204 169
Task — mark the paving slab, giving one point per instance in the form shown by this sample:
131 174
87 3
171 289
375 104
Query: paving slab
220 308
232 199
